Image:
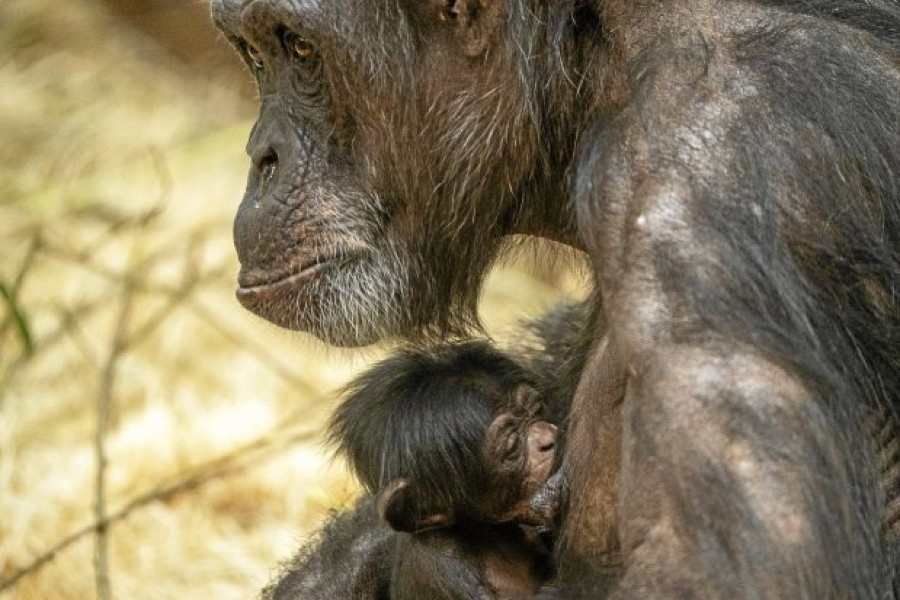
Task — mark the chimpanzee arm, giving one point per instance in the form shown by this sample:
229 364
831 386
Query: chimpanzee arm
352 558
745 469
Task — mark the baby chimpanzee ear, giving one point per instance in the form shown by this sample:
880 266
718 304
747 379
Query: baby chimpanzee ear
398 506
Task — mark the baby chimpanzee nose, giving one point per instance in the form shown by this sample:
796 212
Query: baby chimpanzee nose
542 436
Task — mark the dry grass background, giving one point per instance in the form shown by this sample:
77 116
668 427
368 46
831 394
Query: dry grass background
120 168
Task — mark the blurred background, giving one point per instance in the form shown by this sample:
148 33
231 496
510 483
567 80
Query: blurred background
156 441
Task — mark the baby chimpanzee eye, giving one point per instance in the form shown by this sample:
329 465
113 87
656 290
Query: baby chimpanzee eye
511 447
535 407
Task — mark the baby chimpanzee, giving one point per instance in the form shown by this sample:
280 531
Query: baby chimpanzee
454 443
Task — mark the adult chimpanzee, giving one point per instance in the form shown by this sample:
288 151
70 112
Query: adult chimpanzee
453 439
731 169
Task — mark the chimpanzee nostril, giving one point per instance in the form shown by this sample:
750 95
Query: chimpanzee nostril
265 162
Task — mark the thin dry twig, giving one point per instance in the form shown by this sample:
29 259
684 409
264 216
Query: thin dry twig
104 404
230 463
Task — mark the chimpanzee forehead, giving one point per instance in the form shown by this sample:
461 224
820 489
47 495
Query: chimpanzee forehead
341 15
337 14
372 34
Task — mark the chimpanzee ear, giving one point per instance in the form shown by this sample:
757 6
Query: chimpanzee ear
527 398
397 506
476 20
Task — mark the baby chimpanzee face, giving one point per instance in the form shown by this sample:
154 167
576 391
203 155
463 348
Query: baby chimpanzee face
519 454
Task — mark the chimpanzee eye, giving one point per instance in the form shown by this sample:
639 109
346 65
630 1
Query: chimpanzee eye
253 55
300 48
534 406
511 448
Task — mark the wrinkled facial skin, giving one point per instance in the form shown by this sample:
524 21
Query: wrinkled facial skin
359 195
520 452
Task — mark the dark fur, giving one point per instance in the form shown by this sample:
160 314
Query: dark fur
357 557
421 417
352 557
421 414
465 562
732 170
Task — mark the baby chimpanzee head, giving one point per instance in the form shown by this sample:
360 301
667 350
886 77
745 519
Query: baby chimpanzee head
449 432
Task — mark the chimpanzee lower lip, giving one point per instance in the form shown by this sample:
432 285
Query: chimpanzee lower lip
279 286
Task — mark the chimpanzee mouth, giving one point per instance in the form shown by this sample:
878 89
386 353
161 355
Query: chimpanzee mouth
252 289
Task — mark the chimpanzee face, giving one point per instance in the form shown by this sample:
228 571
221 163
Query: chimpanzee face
519 454
383 176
